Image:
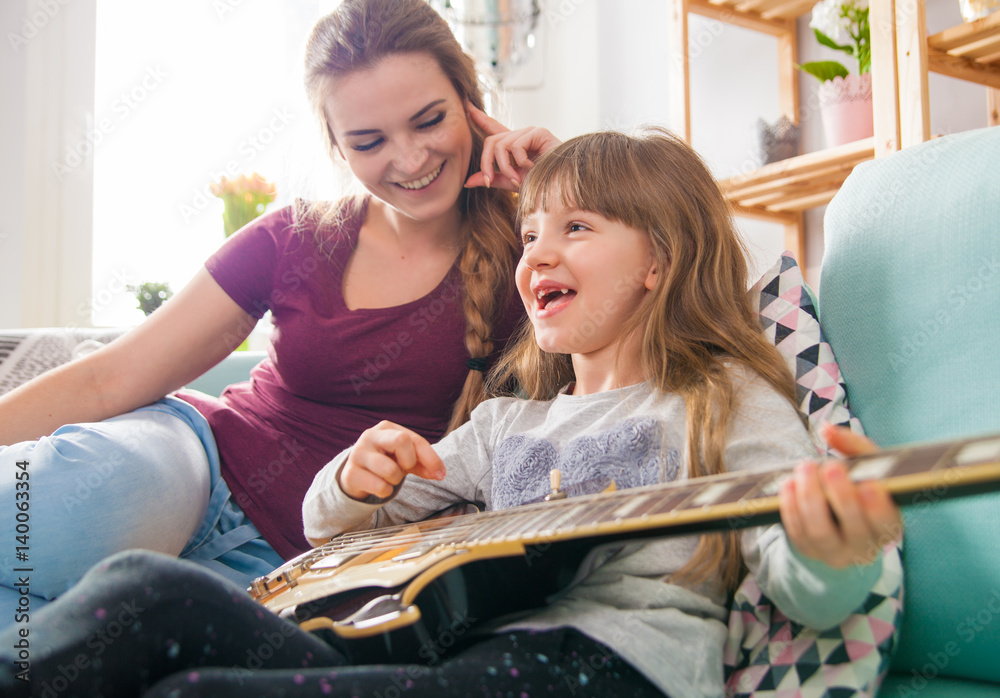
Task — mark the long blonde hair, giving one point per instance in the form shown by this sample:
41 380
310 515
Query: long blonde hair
356 36
698 319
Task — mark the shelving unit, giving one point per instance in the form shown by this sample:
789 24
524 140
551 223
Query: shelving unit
902 54
779 192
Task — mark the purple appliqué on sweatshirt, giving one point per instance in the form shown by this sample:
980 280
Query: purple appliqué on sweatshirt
631 454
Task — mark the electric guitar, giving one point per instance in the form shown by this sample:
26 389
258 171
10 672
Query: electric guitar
400 591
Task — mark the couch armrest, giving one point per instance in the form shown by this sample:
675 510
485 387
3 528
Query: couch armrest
235 368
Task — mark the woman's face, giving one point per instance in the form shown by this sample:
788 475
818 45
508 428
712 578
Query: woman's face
404 132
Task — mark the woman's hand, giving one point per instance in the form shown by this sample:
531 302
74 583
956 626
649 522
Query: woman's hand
383 456
512 151
830 518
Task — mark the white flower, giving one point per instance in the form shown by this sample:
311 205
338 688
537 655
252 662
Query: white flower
828 17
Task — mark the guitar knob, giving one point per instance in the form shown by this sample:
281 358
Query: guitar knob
555 479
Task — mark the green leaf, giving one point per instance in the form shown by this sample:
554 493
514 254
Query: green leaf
864 59
830 43
824 70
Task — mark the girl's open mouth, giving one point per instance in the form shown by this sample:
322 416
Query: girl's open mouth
554 298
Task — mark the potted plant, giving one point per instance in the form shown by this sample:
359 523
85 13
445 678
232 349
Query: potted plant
845 98
151 295
245 197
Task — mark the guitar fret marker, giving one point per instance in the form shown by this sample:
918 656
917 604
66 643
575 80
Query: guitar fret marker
979 452
773 486
709 495
873 468
630 505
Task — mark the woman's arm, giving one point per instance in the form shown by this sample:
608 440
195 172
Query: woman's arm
199 327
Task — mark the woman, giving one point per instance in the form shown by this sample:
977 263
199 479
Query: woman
392 303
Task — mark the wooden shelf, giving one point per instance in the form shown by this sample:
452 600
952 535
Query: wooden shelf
767 16
969 51
794 185
904 53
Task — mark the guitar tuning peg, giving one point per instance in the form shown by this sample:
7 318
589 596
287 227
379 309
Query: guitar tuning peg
555 479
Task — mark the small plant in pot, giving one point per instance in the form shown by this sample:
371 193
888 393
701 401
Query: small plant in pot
151 295
845 98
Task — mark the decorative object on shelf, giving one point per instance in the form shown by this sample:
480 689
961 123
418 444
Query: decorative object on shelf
151 295
977 9
845 99
499 35
777 141
245 197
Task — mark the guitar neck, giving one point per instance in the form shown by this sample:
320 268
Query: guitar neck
731 500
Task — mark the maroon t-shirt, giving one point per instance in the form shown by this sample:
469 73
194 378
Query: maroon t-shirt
331 372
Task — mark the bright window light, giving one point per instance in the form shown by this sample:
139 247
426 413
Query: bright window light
188 91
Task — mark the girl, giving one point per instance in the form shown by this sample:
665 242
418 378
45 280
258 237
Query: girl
643 362
392 303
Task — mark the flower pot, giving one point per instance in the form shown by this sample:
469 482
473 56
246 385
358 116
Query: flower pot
846 106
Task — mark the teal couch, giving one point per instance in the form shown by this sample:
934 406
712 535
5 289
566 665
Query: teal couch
233 369
909 298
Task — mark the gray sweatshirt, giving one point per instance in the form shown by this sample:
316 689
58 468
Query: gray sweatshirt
634 436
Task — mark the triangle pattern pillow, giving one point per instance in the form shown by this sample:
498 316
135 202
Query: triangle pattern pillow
766 654
788 315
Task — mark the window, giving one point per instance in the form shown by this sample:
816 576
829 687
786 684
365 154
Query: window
186 92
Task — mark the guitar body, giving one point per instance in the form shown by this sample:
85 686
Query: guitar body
428 617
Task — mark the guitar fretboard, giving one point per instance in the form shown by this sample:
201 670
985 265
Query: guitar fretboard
731 500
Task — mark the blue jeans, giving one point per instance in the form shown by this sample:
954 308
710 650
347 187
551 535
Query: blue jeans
146 479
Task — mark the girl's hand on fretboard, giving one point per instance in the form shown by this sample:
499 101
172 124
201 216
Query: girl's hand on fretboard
830 518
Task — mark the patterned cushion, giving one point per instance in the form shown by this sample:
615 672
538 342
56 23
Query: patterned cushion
766 654
769 656
788 313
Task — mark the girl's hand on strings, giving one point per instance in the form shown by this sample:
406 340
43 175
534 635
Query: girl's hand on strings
830 518
512 152
383 456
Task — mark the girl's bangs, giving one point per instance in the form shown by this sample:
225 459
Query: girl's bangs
592 174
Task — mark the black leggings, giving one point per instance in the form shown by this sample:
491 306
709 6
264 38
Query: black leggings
144 624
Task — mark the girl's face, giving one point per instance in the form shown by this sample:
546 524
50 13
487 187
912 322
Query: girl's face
404 132
581 276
